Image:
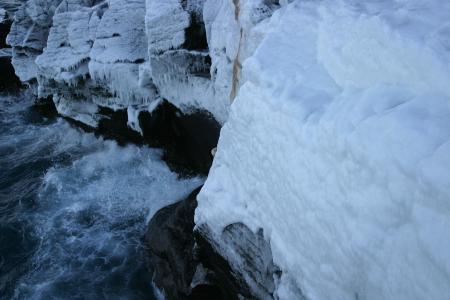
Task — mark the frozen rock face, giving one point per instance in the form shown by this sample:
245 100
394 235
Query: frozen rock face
95 56
131 54
338 147
179 55
28 35
11 6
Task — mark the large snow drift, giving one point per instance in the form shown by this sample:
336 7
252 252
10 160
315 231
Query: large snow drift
338 146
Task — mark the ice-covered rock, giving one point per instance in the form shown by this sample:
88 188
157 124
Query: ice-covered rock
97 51
338 147
11 6
28 36
121 53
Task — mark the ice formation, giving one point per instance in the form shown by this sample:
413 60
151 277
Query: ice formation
28 36
338 147
119 53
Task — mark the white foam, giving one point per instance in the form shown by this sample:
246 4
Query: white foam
92 213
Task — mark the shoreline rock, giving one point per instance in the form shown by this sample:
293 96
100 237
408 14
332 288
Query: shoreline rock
186 264
186 139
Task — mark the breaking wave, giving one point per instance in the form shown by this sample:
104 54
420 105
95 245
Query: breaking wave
74 208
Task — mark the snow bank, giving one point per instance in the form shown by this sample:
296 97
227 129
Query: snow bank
338 146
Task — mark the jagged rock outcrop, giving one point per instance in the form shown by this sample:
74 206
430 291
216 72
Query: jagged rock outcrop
187 265
170 240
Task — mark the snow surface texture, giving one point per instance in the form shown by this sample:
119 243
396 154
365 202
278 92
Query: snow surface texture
338 147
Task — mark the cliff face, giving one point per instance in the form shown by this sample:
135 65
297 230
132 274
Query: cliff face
116 54
337 146
132 54
331 176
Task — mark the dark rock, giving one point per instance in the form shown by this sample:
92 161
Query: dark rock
46 107
187 139
195 34
4 30
79 124
251 252
170 240
173 259
113 125
9 82
42 112
187 265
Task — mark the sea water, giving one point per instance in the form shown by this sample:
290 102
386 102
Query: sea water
74 208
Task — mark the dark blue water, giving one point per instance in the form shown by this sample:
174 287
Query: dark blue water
73 209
